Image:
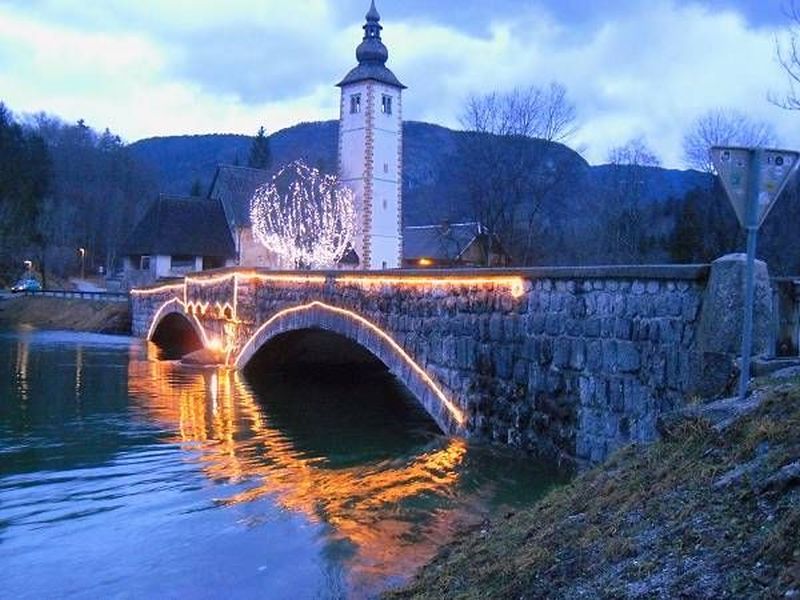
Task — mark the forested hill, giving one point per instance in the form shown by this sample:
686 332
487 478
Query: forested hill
432 163
564 211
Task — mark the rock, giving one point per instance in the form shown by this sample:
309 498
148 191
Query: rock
720 414
723 307
786 477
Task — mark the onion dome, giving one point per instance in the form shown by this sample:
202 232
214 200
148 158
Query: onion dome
372 54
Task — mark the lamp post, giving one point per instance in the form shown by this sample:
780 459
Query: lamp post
82 252
28 266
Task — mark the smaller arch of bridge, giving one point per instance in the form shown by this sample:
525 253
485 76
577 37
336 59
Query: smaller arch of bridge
176 308
318 315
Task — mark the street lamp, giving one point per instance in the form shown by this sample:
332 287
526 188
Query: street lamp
82 252
28 265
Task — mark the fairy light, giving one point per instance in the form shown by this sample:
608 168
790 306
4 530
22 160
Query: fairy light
515 285
253 276
304 216
158 290
248 347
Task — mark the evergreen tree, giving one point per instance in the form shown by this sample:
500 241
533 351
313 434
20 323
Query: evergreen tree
260 154
24 183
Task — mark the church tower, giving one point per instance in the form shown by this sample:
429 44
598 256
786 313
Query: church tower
371 149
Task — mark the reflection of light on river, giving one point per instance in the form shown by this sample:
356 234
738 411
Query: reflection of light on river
360 503
21 370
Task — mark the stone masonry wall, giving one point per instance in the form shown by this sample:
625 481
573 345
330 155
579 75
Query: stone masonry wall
583 362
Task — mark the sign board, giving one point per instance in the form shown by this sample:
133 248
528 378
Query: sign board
735 169
776 166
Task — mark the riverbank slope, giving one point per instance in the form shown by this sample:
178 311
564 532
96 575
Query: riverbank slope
66 313
711 511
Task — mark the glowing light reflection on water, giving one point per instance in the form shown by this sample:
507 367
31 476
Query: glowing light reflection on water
124 475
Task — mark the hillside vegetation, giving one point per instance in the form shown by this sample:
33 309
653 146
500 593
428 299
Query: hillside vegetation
711 511
569 213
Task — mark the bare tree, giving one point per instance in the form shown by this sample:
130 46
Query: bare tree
723 127
788 54
625 217
634 152
510 163
535 112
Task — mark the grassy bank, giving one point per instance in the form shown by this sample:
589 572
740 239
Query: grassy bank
711 511
64 313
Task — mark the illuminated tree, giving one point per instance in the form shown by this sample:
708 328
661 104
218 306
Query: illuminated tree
304 216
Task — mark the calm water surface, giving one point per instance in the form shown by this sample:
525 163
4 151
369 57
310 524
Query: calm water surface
126 476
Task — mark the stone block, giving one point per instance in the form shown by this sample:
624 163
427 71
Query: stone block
594 355
561 352
623 329
722 313
554 324
577 358
609 356
628 358
591 328
496 328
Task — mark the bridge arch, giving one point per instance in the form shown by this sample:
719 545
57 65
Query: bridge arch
174 331
348 324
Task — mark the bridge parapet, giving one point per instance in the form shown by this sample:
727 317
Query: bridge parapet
570 362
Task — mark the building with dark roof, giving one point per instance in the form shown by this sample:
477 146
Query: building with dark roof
452 245
233 187
176 236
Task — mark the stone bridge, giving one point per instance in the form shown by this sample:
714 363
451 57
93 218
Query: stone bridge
569 362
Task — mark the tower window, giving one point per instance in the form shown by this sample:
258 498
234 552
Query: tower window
386 105
355 104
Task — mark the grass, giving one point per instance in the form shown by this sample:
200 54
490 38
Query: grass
650 522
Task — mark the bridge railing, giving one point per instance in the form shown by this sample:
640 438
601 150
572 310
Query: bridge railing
80 295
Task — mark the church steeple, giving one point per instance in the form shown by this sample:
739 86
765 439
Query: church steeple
372 54
371 150
372 49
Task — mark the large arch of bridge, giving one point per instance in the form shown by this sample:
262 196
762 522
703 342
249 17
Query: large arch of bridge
317 315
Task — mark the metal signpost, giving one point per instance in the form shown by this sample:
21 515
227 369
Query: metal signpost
753 178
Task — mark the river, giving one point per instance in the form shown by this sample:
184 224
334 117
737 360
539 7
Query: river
123 475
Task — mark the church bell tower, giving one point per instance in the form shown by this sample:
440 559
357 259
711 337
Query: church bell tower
371 149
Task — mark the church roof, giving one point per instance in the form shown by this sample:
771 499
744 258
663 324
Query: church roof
375 72
440 242
234 187
178 225
372 55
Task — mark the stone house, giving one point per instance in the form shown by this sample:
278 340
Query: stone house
233 187
176 236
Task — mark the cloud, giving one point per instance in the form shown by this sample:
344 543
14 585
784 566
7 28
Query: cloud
648 71
149 67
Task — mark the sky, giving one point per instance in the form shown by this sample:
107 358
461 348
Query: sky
633 68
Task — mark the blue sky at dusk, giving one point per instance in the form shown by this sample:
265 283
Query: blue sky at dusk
633 68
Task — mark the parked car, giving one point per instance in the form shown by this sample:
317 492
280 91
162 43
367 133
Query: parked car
27 284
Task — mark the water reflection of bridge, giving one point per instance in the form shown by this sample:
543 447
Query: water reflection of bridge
370 508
